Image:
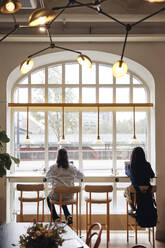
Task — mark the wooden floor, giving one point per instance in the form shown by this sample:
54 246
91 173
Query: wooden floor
118 240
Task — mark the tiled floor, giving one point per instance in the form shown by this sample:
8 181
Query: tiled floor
119 240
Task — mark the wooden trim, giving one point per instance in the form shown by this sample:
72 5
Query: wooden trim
74 105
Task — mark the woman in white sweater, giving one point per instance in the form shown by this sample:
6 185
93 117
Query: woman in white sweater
62 173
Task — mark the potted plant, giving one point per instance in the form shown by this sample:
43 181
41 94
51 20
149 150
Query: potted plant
5 158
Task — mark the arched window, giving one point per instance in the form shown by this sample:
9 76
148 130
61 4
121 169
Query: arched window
67 82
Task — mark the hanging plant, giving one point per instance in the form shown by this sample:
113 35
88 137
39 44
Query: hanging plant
5 158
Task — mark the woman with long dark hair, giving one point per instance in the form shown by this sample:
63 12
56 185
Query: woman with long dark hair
139 171
62 173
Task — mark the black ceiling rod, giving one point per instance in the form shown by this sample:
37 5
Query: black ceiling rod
79 4
40 51
67 49
16 26
101 12
128 28
63 9
145 18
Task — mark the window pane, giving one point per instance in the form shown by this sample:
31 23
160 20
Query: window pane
88 95
21 95
32 156
124 128
124 135
94 155
71 73
105 95
139 95
123 80
37 95
38 77
122 95
55 95
55 74
136 81
89 75
72 95
54 134
105 74
23 80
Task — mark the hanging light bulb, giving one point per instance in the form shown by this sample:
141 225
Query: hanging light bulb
41 16
26 66
27 139
134 140
10 6
98 141
119 69
63 141
84 60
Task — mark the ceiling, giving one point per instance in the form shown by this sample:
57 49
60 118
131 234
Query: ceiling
85 21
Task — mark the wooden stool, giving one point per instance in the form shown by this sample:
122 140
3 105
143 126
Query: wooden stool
98 189
133 224
67 190
38 199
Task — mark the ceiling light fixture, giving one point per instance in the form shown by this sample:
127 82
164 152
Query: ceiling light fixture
98 141
27 140
27 64
44 16
63 140
41 17
10 6
134 140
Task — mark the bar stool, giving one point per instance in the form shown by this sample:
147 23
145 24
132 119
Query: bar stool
31 187
89 201
131 221
67 190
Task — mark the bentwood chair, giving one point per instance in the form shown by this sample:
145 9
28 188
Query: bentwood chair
97 232
98 189
67 190
34 188
131 221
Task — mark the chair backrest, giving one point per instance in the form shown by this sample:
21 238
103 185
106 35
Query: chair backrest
142 188
99 188
30 187
90 234
67 190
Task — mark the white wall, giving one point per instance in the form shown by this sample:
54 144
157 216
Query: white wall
150 55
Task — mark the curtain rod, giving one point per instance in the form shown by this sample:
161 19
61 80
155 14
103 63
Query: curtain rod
80 105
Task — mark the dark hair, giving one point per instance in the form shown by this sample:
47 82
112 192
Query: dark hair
138 160
62 158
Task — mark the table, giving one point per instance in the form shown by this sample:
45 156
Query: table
9 234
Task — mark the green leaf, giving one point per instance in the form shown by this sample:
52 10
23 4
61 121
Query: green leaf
2 171
16 160
6 160
3 137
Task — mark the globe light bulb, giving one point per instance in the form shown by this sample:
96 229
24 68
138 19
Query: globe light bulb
10 6
84 61
26 66
119 69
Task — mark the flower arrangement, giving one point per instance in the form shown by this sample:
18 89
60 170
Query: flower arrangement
39 236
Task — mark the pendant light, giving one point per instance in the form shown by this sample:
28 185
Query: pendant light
134 140
10 6
26 65
120 68
27 140
41 16
84 60
63 140
98 141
